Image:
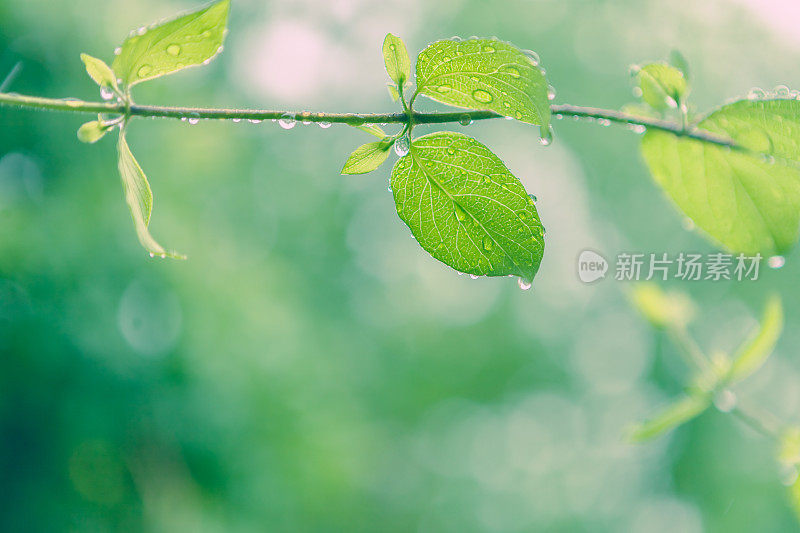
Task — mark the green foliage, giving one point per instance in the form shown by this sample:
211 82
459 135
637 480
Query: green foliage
189 40
712 375
466 208
677 60
662 85
485 74
139 198
367 157
93 131
740 183
99 71
672 416
662 309
754 352
395 57
746 199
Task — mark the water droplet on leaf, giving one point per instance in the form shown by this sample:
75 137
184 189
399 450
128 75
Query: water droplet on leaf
546 135
482 96
144 70
174 50
401 146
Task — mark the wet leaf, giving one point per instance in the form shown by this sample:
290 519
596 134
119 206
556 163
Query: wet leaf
367 157
139 198
485 74
167 47
746 201
465 207
395 57
662 85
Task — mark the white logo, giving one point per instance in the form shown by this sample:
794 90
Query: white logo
591 266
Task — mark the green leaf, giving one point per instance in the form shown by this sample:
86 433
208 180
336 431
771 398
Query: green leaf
395 57
393 92
674 415
466 209
677 60
99 71
485 74
662 85
662 309
189 40
91 132
755 351
372 129
139 198
748 202
367 157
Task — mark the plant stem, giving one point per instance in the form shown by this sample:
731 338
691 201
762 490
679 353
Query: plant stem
689 350
353 119
761 422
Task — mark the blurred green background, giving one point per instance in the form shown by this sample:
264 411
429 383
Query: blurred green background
310 368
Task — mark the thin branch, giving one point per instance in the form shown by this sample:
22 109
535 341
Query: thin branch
353 119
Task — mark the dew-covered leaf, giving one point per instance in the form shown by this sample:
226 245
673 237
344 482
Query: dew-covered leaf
672 416
99 71
662 85
755 351
395 57
465 207
166 47
485 74
747 201
367 157
139 198
91 132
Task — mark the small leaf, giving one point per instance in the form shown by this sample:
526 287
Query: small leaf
372 129
485 74
395 95
662 309
466 209
189 40
139 198
395 57
677 60
91 132
674 415
367 158
747 202
755 351
99 71
662 86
